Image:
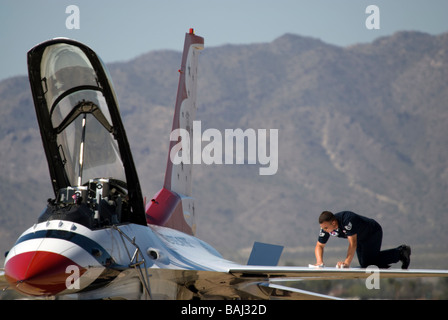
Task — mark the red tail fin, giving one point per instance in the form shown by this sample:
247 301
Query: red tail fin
173 205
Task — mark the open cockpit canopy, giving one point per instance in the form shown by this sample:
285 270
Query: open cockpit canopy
78 115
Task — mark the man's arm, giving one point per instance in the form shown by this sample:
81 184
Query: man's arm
350 252
319 252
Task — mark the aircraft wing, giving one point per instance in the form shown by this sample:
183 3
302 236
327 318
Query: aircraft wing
332 273
275 277
271 283
277 291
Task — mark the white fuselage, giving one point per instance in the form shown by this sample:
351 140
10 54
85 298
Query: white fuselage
119 261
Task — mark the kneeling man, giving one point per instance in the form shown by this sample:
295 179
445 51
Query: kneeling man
364 237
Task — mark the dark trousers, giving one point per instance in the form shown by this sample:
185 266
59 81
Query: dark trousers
369 251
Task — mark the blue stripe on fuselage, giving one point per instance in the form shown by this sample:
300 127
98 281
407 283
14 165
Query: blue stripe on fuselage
92 247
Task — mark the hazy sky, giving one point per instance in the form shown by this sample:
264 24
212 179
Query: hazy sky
122 30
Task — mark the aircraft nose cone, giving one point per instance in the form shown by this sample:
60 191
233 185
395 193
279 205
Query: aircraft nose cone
40 273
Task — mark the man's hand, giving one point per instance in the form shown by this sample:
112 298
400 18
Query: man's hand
352 243
342 264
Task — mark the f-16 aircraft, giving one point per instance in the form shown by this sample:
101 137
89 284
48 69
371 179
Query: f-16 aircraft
97 238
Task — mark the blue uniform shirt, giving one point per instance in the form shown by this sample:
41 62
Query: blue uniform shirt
349 224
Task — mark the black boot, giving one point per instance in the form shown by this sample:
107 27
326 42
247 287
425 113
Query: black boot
405 255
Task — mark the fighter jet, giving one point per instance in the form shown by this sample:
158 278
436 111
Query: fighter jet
97 238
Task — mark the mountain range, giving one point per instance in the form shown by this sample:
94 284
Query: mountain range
361 128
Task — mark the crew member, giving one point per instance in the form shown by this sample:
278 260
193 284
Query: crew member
364 237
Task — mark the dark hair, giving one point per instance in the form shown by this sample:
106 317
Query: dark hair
326 216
